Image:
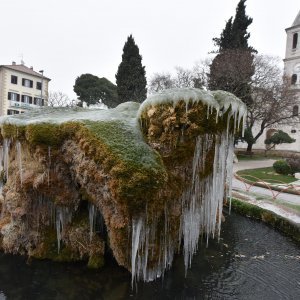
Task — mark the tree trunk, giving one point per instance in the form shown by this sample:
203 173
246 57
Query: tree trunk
249 147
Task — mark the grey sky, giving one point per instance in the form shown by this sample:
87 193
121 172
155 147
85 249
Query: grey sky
67 38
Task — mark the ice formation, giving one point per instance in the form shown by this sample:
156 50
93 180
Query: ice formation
202 205
129 191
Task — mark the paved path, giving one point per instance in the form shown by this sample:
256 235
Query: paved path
253 164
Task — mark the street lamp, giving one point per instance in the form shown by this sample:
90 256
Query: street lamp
42 72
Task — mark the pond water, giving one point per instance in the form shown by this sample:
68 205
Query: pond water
251 261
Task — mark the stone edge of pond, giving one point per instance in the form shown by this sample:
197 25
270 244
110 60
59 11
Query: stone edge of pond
284 225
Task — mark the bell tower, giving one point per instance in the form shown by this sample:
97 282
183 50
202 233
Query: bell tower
292 54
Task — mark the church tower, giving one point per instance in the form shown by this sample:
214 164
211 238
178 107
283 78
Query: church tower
292 54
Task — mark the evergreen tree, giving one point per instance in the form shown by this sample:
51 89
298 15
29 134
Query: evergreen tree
232 68
225 41
92 90
130 78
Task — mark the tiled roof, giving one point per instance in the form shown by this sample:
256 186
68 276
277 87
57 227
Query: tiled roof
297 20
24 69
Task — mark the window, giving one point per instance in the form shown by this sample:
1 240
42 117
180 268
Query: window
294 79
27 82
12 112
293 131
26 99
295 40
38 101
38 85
14 79
13 96
296 110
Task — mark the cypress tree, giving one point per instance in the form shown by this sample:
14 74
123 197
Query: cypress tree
224 42
232 68
131 76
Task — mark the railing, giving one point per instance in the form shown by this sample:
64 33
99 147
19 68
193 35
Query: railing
275 191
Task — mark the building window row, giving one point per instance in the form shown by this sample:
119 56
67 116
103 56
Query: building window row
26 82
26 99
12 112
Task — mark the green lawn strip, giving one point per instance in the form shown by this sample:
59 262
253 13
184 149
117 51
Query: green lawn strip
244 157
265 174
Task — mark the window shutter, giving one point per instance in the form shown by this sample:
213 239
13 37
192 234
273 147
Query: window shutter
9 96
30 100
18 97
31 83
23 81
22 98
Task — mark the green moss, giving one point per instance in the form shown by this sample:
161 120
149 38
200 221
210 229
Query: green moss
10 131
44 134
47 249
95 261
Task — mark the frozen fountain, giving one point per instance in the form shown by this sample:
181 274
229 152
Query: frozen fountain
157 174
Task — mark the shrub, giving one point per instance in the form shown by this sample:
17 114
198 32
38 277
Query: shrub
282 167
294 163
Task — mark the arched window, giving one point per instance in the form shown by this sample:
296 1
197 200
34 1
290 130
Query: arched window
294 79
295 40
295 110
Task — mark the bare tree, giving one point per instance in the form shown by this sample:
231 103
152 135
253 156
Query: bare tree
184 77
273 101
159 82
58 99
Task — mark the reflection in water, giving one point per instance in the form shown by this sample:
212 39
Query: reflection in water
251 261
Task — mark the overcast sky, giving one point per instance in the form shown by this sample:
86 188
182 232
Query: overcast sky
67 38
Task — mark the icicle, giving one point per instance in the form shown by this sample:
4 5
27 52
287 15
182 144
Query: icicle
92 219
63 217
229 168
49 164
6 146
136 231
19 157
1 159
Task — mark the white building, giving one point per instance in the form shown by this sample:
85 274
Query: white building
21 89
292 71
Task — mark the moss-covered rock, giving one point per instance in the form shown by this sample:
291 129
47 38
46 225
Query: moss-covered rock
134 165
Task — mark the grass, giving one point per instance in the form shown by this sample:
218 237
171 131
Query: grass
265 174
244 157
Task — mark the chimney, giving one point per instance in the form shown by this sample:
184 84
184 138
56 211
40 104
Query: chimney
14 63
31 68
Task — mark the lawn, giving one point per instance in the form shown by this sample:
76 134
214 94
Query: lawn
257 157
265 174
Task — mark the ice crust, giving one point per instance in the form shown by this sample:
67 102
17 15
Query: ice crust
57 115
221 101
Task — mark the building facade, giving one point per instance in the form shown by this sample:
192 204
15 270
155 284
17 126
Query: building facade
292 72
21 89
